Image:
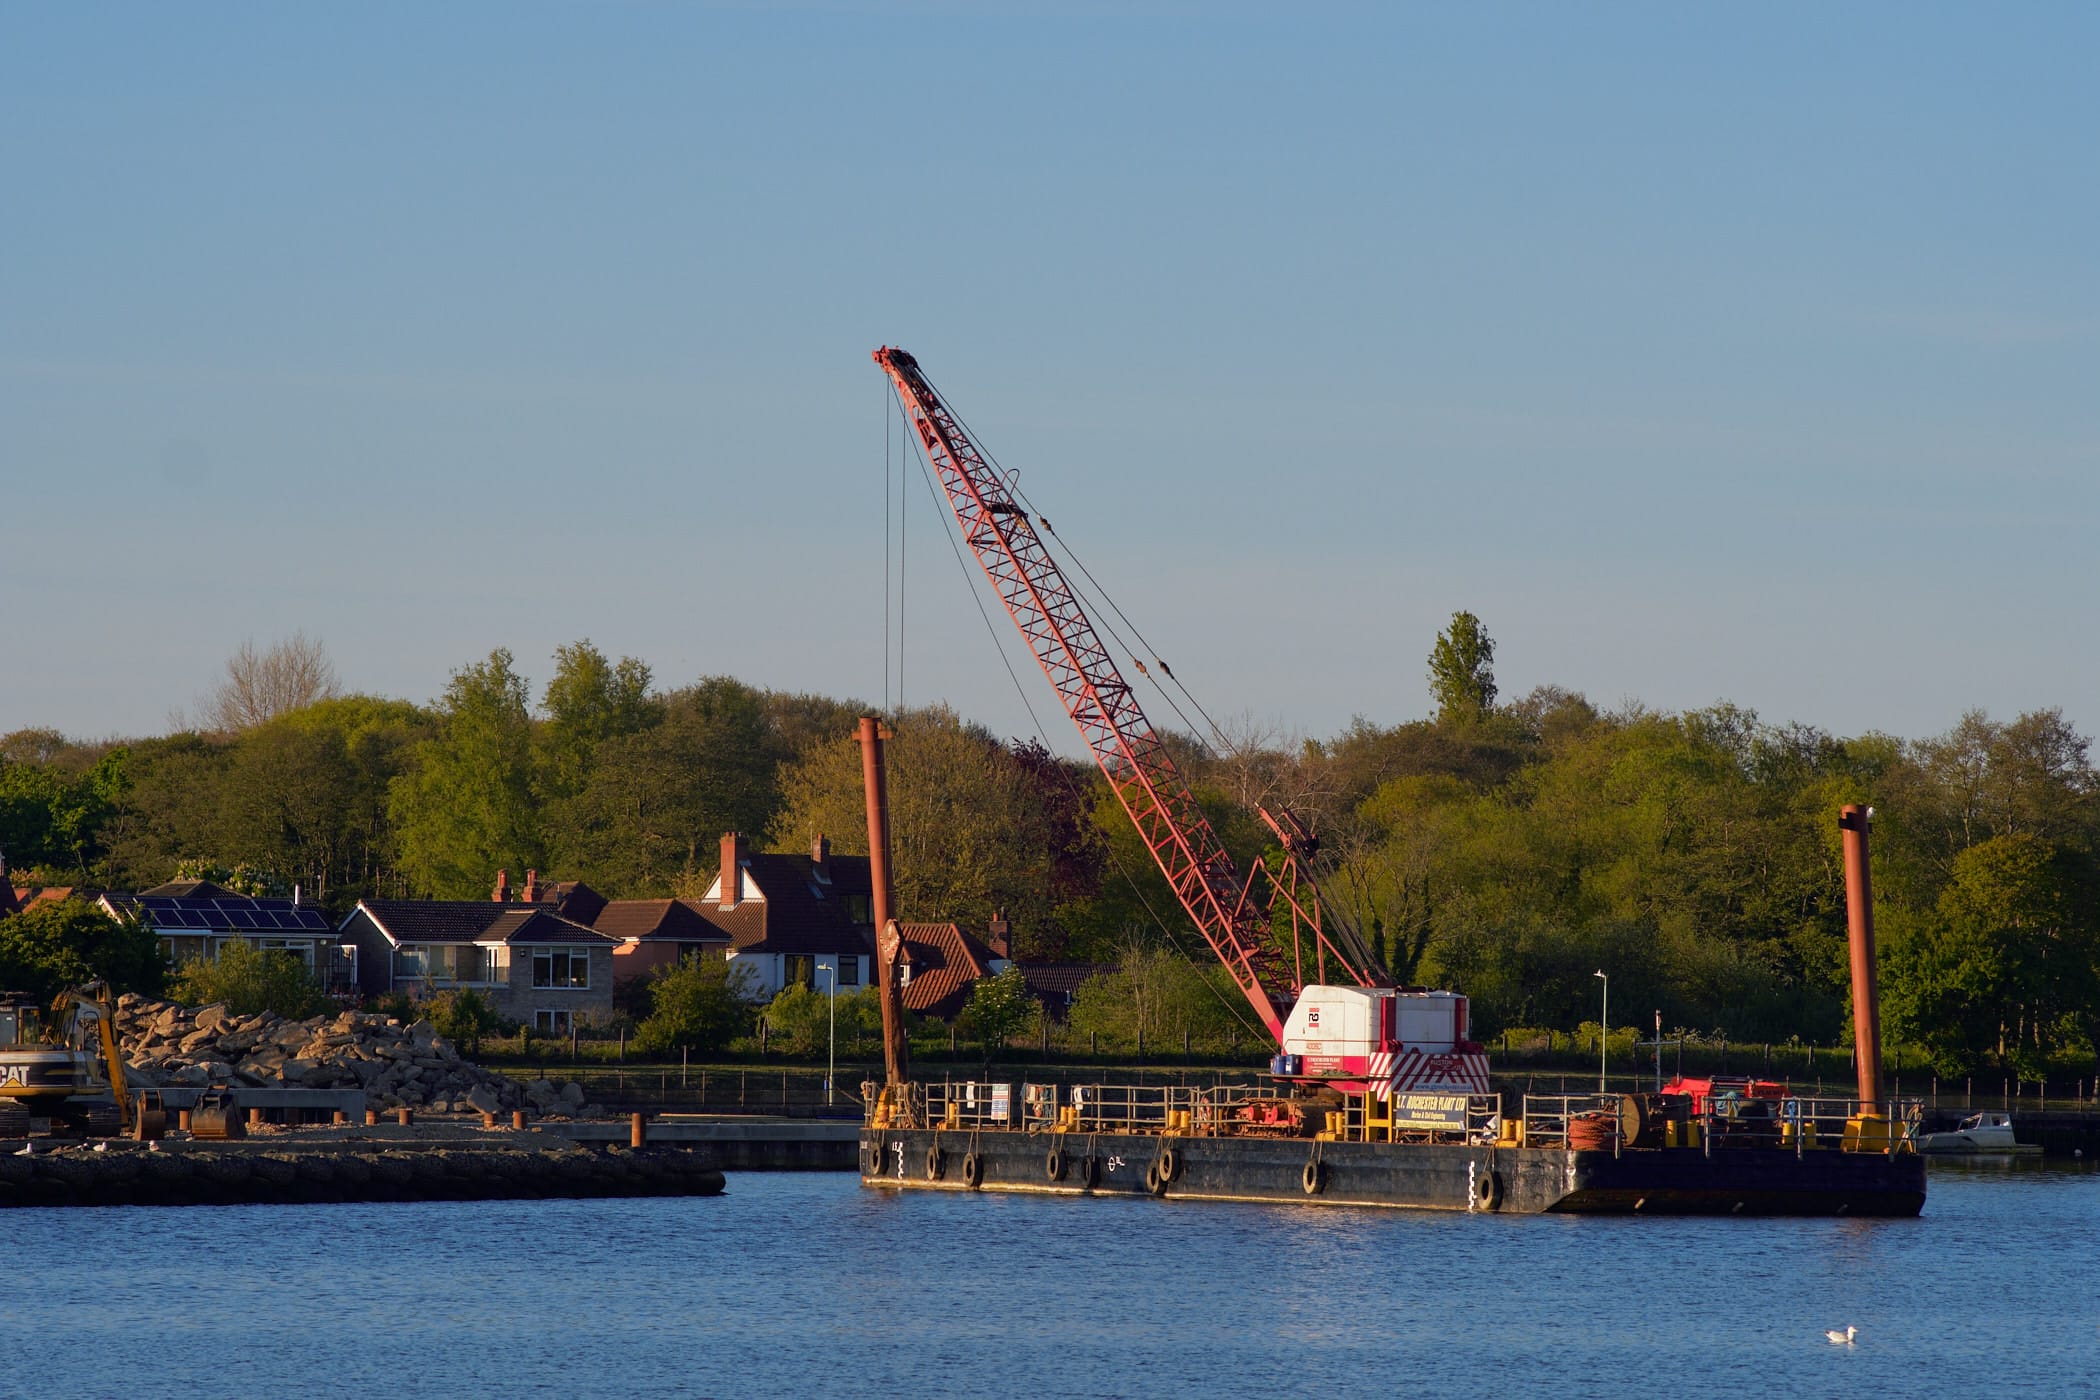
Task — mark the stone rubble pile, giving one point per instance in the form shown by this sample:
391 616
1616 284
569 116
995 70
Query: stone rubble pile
397 1066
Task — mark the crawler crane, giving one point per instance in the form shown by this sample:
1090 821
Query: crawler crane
1358 1033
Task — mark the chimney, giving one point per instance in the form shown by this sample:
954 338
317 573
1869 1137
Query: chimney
732 869
998 936
502 893
532 887
819 854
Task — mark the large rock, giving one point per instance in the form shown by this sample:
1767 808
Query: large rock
482 1099
213 1017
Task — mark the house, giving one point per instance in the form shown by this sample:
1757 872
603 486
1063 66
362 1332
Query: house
537 967
15 898
793 918
655 933
940 965
196 919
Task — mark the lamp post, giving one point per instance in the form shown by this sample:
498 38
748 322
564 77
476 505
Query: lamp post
1603 1029
831 1066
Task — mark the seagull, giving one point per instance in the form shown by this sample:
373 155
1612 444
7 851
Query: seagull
1844 1338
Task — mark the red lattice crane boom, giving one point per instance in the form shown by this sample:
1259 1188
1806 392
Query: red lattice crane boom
1138 767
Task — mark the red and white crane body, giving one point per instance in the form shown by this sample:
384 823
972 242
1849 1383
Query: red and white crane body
1366 1036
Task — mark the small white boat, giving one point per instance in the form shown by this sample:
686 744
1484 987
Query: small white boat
1980 1134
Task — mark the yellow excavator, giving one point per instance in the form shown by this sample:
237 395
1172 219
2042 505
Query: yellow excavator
62 1064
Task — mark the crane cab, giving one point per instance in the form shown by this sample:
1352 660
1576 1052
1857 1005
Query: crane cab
1382 1039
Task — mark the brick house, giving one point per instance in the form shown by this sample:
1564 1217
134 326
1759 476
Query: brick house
538 968
195 920
940 965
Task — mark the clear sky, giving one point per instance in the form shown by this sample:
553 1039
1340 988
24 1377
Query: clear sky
1749 354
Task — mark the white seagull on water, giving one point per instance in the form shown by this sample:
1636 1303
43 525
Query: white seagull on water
1844 1338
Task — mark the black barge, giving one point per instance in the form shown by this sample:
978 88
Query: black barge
1604 1154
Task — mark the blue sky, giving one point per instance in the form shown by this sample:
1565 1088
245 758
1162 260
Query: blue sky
1705 355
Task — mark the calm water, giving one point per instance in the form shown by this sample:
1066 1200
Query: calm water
808 1284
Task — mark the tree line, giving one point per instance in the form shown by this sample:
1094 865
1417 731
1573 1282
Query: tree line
1509 848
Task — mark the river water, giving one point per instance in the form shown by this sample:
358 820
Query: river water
808 1284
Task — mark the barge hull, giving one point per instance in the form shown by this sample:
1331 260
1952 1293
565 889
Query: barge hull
1461 1177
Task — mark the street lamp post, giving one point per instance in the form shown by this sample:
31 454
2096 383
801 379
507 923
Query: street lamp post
831 1065
1603 1029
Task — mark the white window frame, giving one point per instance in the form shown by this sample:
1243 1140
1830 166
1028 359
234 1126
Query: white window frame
553 1020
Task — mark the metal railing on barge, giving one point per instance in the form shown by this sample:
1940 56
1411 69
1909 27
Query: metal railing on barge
1612 1123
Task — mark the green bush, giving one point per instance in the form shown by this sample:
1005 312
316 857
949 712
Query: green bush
65 942
1000 1008
249 980
463 1016
698 1005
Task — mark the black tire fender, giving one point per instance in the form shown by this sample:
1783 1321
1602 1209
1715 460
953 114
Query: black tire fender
936 1162
1313 1178
973 1170
1169 1163
1054 1164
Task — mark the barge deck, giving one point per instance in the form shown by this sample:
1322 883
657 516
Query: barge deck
1148 1146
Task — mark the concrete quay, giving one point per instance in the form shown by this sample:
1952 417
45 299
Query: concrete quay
735 1142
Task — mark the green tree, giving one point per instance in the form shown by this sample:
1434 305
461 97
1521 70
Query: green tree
1462 671
968 830
1000 1008
290 791
1157 995
651 814
701 1004
465 808
248 980
63 943
589 701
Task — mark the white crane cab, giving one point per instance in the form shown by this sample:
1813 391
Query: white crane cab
1381 1039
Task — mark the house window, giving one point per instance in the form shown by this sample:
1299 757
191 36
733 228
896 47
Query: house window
858 910
798 969
452 964
565 968
553 1022
849 972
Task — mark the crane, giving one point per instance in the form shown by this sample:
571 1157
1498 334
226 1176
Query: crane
1355 1035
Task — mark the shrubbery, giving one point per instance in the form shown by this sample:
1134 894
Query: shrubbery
697 1005
249 980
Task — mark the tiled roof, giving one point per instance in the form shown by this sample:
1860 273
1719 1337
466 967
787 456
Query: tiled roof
192 889
656 920
473 921
944 962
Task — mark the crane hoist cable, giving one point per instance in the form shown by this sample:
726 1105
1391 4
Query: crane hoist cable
1109 607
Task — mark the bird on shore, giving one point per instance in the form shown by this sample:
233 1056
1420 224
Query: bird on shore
1844 1338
